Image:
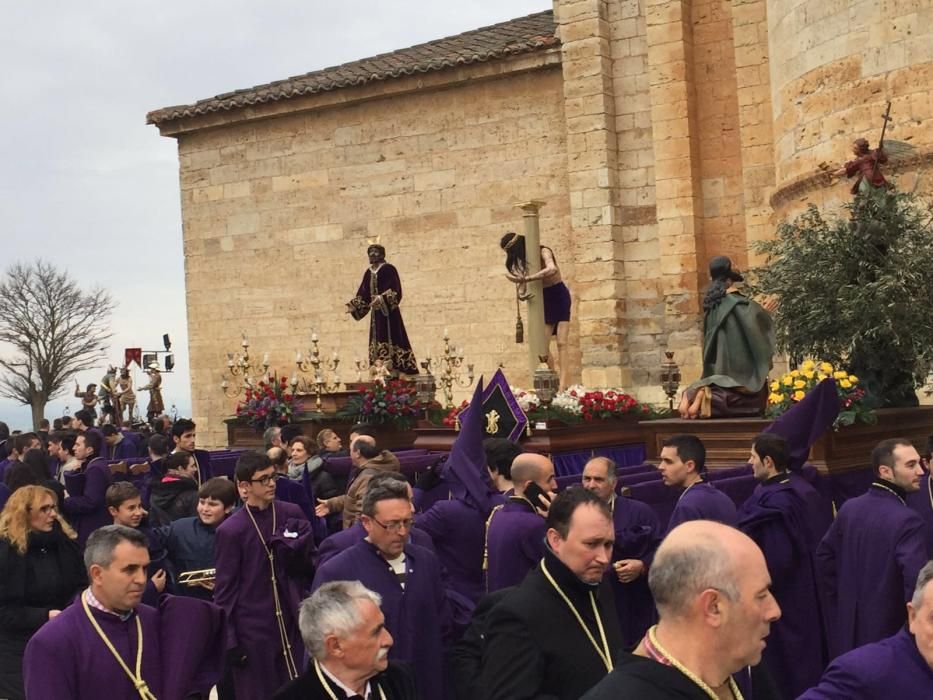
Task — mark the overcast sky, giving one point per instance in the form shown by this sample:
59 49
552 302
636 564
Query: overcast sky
87 185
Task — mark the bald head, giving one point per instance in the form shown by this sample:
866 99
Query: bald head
529 466
696 556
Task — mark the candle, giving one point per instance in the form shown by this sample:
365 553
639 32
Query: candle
446 335
335 356
265 359
245 342
230 364
313 337
298 357
223 384
294 381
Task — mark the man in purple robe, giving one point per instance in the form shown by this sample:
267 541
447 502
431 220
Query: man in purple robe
457 526
93 648
262 557
922 500
344 539
897 667
871 556
380 293
121 445
776 518
638 534
85 506
515 530
682 466
407 577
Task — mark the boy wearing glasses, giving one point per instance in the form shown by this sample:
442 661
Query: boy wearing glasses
262 557
407 576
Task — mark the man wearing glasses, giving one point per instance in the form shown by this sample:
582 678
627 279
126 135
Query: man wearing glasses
406 576
262 557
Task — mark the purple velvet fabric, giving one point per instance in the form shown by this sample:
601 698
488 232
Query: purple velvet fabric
244 590
514 543
922 502
777 519
418 617
806 421
638 534
458 531
85 507
702 501
868 564
892 668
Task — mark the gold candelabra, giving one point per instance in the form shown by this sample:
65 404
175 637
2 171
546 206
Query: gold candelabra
447 368
317 366
241 365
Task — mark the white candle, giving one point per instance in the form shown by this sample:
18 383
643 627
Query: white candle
298 356
446 335
265 359
313 337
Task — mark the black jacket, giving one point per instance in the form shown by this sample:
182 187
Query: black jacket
171 500
466 657
396 682
535 648
47 577
640 678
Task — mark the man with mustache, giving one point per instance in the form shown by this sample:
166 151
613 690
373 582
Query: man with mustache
348 644
108 644
712 590
869 560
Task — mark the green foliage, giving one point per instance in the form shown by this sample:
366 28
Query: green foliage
857 292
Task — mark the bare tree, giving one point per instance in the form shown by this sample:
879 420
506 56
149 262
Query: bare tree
55 329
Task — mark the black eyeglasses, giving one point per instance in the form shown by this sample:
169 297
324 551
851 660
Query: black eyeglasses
396 525
263 480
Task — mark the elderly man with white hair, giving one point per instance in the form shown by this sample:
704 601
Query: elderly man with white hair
712 591
348 644
900 666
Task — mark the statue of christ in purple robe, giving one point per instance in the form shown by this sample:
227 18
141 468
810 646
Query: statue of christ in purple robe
379 295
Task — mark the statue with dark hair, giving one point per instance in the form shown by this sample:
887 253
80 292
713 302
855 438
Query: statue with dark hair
557 299
738 342
380 292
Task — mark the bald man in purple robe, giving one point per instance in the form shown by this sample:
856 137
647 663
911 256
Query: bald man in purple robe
264 643
776 518
637 535
177 648
406 576
682 465
900 666
515 531
870 558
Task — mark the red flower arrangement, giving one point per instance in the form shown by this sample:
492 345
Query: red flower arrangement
600 405
396 402
267 404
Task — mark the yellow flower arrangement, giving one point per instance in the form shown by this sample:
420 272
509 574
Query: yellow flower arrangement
798 382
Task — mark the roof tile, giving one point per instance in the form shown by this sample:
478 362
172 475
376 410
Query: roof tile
522 35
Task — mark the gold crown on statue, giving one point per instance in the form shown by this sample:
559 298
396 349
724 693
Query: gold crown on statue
374 241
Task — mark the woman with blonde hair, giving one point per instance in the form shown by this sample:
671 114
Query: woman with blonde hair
41 571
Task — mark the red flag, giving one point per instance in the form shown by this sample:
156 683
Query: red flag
132 355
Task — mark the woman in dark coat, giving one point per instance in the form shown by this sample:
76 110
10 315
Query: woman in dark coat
41 571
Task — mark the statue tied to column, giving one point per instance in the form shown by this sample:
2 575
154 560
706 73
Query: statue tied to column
738 343
379 295
156 406
557 301
125 394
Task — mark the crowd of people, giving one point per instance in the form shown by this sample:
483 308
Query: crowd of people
479 580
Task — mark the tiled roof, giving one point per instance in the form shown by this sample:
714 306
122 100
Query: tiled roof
517 36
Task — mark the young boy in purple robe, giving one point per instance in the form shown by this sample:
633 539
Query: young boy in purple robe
515 531
900 666
638 534
263 554
407 577
776 518
86 503
682 466
869 560
107 644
